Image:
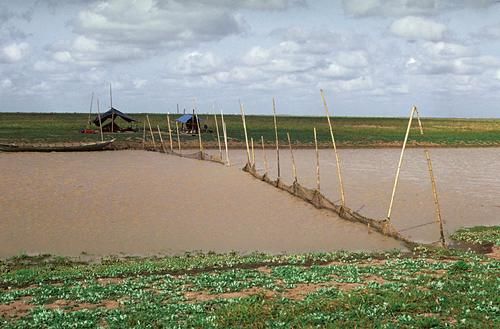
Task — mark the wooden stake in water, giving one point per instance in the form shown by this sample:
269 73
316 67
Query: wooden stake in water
277 142
266 167
245 130
218 136
170 133
161 139
151 131
317 160
433 184
90 112
253 152
144 136
224 131
178 136
294 169
339 173
396 179
100 122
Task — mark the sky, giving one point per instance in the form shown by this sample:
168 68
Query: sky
371 57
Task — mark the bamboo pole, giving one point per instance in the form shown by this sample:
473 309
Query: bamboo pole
178 136
161 139
266 166
100 122
245 129
90 112
224 131
437 207
218 136
151 130
253 152
144 136
199 136
277 143
170 133
317 161
339 173
399 163
111 106
294 168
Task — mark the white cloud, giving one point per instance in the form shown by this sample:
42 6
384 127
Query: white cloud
418 28
139 83
365 8
14 52
6 83
447 50
152 23
63 56
256 56
197 63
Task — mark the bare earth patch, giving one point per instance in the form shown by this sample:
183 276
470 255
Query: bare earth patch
76 306
106 281
16 309
495 253
203 296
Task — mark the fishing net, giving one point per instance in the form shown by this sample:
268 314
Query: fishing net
318 200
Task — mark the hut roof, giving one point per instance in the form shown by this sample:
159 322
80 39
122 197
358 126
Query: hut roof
112 112
186 117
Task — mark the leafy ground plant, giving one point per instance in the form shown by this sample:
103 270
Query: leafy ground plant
422 289
478 235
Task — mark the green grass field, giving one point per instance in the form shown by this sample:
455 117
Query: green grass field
420 289
349 132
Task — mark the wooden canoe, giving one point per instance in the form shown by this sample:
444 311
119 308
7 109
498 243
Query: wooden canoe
59 147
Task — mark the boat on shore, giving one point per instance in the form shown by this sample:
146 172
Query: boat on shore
56 147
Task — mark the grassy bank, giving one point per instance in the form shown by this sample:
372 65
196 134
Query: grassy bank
349 132
423 289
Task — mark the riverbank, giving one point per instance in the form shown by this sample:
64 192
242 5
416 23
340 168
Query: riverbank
351 132
423 288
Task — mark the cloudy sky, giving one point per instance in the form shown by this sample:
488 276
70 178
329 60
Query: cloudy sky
372 57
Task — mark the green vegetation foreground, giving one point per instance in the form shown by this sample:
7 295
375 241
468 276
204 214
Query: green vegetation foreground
423 288
349 132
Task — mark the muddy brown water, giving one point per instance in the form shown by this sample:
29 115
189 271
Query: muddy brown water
468 184
146 203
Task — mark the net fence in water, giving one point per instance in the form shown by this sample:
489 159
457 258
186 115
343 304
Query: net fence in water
318 200
312 196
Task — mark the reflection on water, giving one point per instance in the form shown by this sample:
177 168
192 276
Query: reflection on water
145 203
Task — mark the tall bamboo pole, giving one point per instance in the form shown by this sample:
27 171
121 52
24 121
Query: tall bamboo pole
199 136
161 139
100 122
178 136
151 130
195 112
266 166
294 169
396 179
253 152
433 184
90 111
224 131
144 136
339 173
317 160
245 130
277 142
170 133
112 112
218 136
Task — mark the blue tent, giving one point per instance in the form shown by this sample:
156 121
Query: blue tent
187 117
